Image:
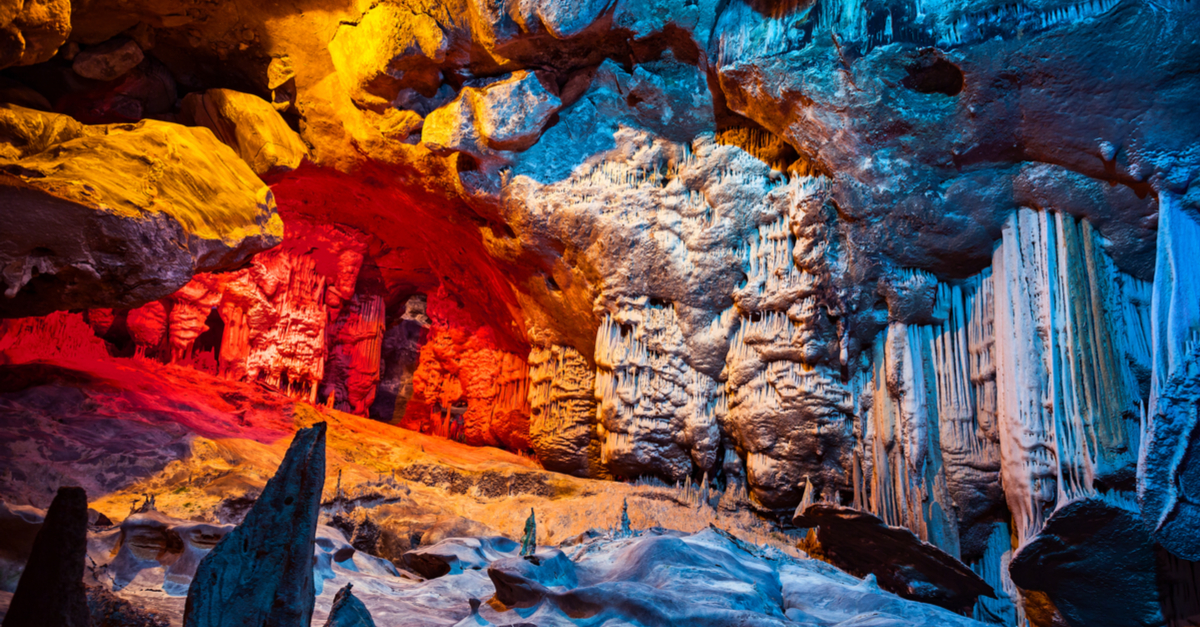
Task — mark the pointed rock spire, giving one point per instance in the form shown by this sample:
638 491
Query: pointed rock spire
51 592
805 502
348 611
261 573
529 540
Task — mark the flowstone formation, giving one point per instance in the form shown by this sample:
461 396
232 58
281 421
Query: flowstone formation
930 265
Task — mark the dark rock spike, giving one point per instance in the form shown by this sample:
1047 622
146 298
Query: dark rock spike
51 592
348 611
261 573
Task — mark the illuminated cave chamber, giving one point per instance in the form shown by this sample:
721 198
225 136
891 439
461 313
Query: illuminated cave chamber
911 286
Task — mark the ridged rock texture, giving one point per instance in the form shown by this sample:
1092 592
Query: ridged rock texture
261 573
934 259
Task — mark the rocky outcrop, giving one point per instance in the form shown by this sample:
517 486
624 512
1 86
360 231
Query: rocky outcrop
152 540
506 115
120 215
861 544
51 591
249 125
262 572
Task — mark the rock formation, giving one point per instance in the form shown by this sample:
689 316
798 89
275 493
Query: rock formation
51 591
862 545
261 571
928 261
120 215
348 611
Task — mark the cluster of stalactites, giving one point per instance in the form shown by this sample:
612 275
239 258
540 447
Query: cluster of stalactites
1030 379
1067 398
282 317
656 414
355 354
562 406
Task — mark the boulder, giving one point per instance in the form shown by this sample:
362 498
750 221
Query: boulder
862 545
51 591
109 60
455 555
249 125
507 115
119 215
391 47
31 32
1096 563
262 572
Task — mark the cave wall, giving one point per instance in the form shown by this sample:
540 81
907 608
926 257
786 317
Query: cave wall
934 260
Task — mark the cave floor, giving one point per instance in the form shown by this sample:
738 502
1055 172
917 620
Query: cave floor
203 447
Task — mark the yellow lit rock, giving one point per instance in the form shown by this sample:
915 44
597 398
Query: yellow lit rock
249 125
118 215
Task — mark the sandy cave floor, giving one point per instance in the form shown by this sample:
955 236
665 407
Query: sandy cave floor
202 447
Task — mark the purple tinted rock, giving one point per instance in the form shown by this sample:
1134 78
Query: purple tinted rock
51 592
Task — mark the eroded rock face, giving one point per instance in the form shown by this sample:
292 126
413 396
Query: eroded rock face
262 572
120 215
931 258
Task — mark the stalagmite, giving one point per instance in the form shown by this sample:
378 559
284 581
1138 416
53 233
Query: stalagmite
348 611
51 592
262 572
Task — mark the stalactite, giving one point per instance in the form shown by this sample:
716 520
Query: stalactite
355 344
1006 608
1067 397
465 386
656 414
1167 482
908 486
562 405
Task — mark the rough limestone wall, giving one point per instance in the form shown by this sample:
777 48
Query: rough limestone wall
562 423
